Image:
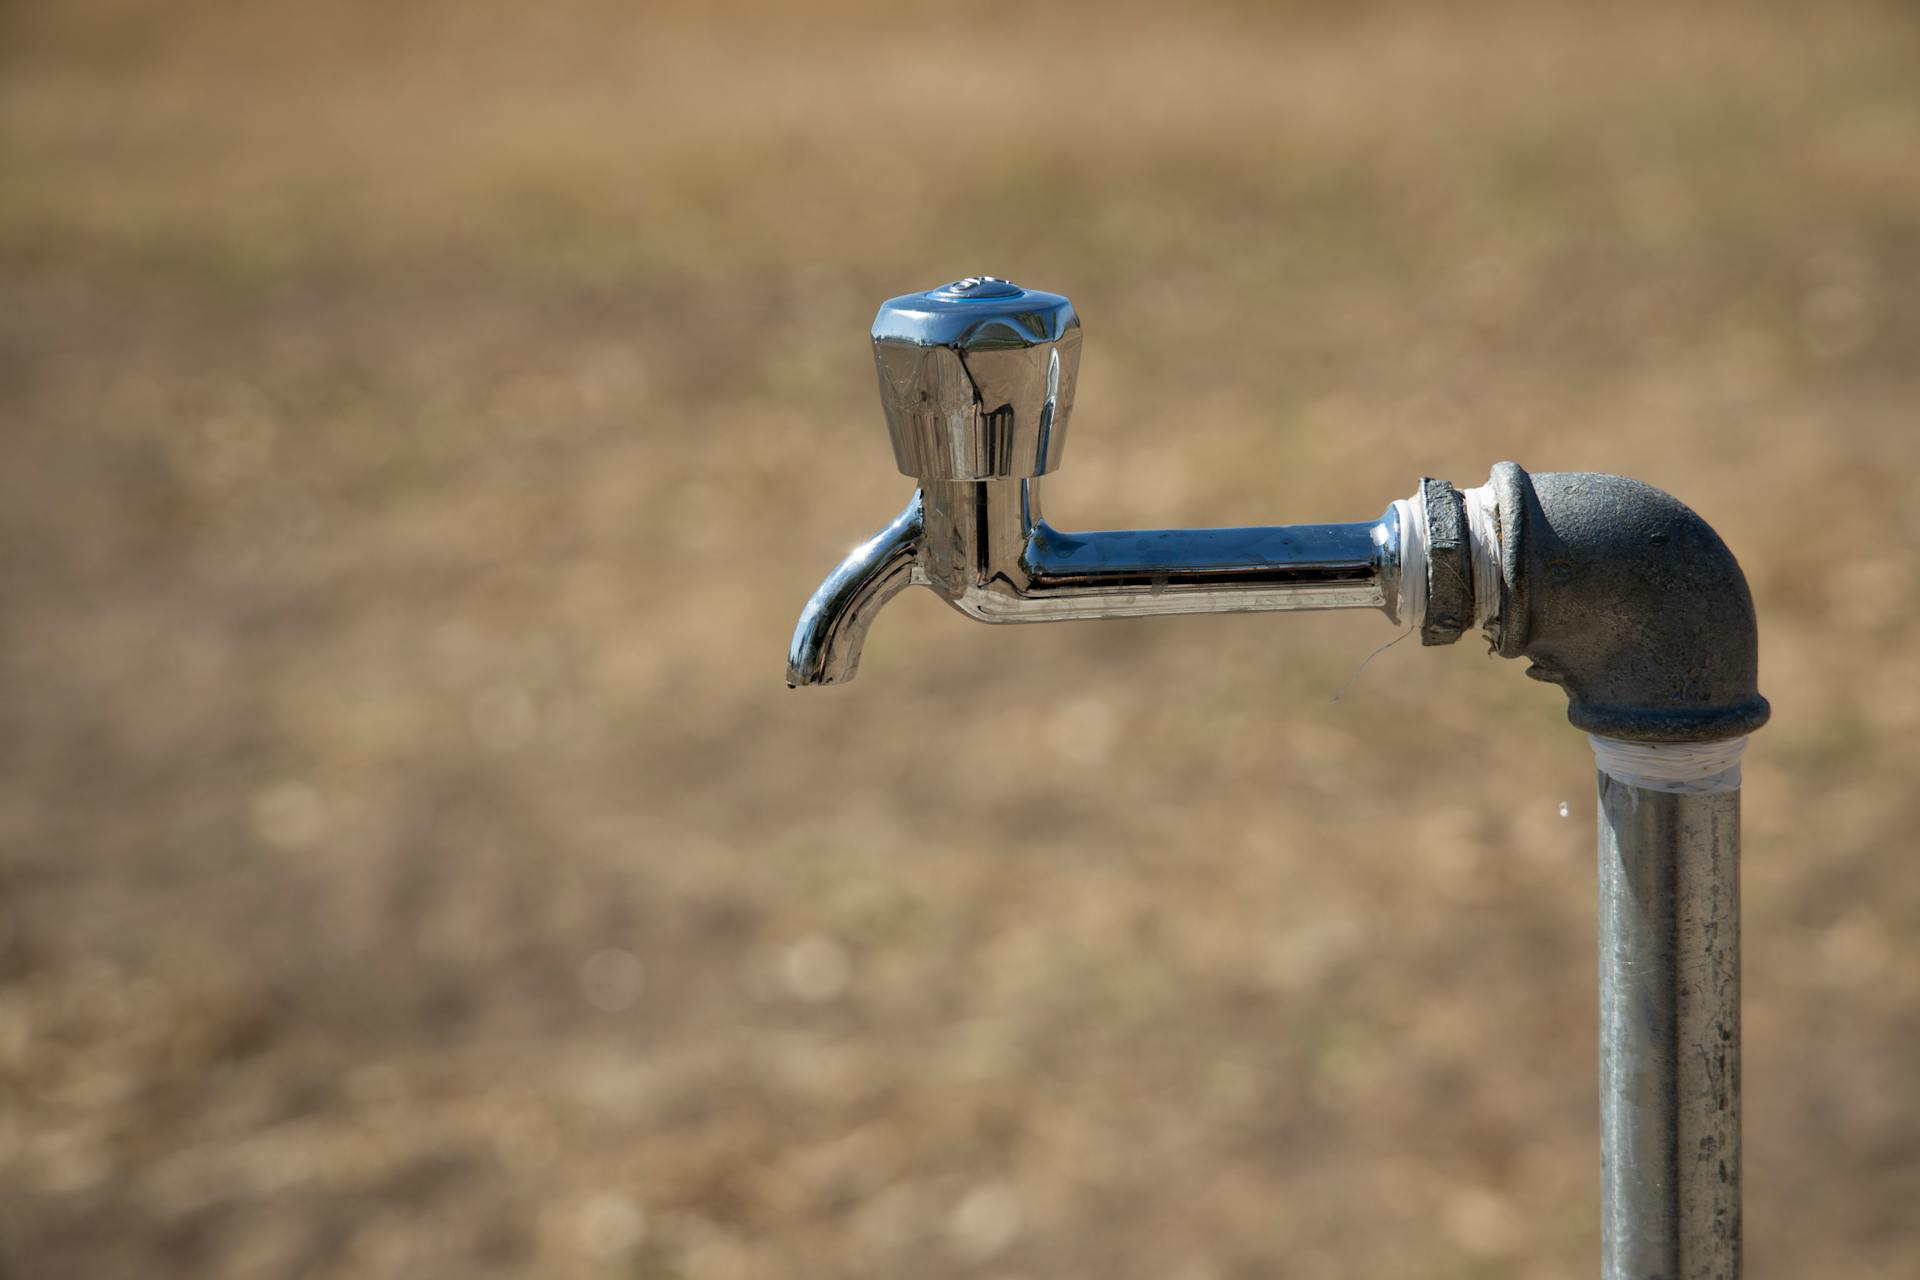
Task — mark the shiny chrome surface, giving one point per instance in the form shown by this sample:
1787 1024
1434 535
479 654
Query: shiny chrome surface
1669 1033
977 378
983 548
989 553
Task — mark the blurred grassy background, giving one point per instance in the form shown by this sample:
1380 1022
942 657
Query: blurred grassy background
423 422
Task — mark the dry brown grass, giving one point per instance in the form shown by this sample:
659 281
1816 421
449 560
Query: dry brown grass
421 428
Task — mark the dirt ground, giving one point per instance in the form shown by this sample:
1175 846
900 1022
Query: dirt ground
422 424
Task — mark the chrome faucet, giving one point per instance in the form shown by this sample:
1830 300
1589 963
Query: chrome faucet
977 380
1610 588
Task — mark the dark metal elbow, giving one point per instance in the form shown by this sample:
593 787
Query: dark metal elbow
1629 601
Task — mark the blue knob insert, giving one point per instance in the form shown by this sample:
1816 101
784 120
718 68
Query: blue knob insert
975 288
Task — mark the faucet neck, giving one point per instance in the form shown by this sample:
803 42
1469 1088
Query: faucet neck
977 534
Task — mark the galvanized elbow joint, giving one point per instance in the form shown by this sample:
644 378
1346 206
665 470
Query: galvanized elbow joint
1621 595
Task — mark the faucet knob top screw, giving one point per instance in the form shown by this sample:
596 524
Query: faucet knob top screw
976 287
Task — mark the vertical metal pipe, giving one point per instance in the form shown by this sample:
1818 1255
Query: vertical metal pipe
1669 1033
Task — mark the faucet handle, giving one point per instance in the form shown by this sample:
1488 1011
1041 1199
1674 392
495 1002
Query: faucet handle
977 378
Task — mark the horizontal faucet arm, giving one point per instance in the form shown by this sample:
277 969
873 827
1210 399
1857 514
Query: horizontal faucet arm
1255 558
991 555
984 549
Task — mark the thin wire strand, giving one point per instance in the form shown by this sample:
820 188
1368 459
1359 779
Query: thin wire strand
1341 691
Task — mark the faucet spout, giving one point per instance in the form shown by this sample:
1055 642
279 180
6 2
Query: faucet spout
981 546
833 627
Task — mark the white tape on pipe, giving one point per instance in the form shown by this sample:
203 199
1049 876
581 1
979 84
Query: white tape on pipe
1483 539
1413 557
1483 535
1690 768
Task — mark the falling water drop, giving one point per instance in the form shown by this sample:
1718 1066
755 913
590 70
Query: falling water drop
1563 808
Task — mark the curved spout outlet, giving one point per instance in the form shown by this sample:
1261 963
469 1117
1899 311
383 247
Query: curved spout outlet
833 627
